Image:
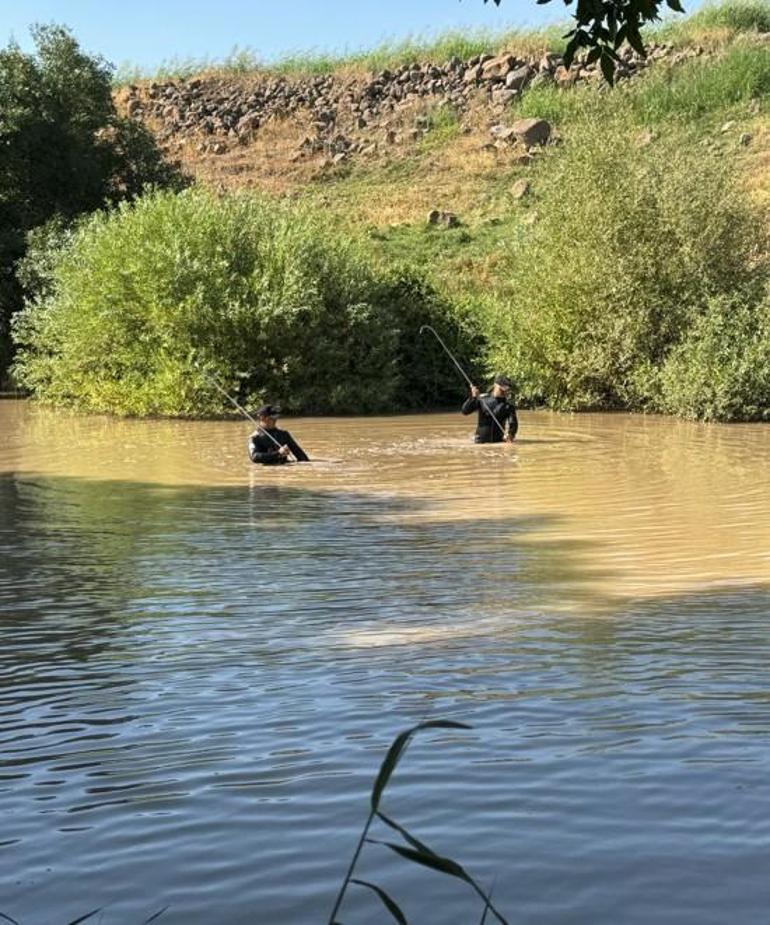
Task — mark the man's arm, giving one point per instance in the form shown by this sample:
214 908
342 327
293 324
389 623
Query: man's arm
296 450
471 404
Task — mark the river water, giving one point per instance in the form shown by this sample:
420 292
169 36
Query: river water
203 662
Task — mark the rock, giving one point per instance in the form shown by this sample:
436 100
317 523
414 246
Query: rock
503 133
134 108
219 147
448 219
518 78
745 139
497 68
565 78
472 74
248 124
502 96
532 132
520 189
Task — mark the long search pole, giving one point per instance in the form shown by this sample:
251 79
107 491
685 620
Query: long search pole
243 411
427 327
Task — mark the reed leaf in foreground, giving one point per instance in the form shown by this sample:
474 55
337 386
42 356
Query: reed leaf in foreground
390 904
417 852
82 918
396 751
443 865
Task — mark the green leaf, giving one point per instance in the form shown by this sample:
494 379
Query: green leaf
442 865
396 751
431 860
593 55
676 6
608 68
634 39
390 904
412 839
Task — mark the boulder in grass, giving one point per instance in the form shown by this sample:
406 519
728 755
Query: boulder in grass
532 132
520 189
447 219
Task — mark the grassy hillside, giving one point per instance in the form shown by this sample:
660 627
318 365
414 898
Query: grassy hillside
622 264
452 165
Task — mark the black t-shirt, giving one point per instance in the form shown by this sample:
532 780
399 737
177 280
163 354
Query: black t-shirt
491 407
263 450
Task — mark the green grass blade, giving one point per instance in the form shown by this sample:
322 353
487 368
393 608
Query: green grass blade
390 904
396 751
407 836
431 860
442 865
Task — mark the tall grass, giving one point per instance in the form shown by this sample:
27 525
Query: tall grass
390 54
715 21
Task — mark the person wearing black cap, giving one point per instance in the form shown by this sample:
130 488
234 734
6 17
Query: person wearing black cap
269 445
497 415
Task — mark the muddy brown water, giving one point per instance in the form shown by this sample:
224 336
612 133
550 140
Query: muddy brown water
202 663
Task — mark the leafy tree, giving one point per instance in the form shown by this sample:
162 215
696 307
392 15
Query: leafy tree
63 149
602 26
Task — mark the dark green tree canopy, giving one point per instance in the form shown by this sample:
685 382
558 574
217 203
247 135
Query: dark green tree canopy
64 150
602 26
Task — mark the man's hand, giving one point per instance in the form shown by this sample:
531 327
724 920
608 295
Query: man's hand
475 391
284 451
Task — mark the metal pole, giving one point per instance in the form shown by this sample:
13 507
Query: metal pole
427 327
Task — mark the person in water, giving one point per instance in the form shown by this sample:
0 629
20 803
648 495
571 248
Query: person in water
273 450
497 414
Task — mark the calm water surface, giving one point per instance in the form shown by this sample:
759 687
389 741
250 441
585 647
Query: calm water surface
202 663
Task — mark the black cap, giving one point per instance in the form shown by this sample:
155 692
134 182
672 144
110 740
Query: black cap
268 411
504 381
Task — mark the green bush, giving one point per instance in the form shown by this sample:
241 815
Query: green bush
64 149
264 296
633 242
721 371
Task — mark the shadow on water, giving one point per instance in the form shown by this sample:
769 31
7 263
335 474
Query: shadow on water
102 554
197 684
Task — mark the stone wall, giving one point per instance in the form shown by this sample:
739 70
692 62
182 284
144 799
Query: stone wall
347 115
